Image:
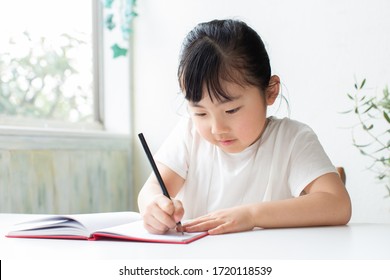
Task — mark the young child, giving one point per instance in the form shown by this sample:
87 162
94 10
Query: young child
228 167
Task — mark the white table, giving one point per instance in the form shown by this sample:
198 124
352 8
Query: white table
351 242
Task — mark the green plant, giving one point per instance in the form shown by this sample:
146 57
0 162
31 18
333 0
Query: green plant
125 11
373 113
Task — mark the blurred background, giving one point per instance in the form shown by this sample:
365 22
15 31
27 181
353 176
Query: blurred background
74 97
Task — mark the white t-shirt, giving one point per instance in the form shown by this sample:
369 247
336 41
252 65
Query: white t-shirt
286 158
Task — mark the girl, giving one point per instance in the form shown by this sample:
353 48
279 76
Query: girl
228 167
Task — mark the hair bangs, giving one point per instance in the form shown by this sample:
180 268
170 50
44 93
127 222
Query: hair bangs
205 71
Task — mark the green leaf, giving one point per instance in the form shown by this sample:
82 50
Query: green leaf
350 96
118 51
109 22
368 109
363 152
368 127
386 116
362 84
362 145
346 112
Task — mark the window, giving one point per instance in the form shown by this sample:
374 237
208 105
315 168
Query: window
48 63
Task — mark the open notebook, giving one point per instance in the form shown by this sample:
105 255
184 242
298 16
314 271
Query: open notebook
114 225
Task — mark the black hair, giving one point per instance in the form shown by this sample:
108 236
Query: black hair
222 50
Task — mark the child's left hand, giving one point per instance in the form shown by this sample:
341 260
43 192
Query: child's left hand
223 221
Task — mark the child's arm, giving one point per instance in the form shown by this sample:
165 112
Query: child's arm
160 213
326 202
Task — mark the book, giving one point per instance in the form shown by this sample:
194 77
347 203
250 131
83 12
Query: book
126 226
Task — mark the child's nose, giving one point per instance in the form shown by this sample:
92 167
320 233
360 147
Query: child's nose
219 127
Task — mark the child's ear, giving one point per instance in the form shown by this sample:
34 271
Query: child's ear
272 91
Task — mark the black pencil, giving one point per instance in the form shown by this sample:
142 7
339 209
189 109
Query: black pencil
157 173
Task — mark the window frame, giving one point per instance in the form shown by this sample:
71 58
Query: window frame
56 135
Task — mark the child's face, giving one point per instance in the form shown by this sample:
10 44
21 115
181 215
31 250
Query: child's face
231 125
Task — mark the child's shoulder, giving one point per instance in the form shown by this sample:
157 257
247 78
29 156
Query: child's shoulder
287 122
288 126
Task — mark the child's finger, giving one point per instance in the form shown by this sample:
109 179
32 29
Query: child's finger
154 226
165 204
179 210
158 215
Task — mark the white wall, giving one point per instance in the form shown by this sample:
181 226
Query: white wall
316 47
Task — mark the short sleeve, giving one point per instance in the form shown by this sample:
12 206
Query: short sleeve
308 161
174 152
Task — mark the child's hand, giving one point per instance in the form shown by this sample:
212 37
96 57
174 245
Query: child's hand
223 221
162 214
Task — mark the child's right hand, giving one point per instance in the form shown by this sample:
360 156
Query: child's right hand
162 214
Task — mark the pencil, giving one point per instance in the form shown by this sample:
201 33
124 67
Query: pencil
157 173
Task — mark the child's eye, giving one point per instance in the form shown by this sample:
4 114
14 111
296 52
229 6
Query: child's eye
232 111
199 114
